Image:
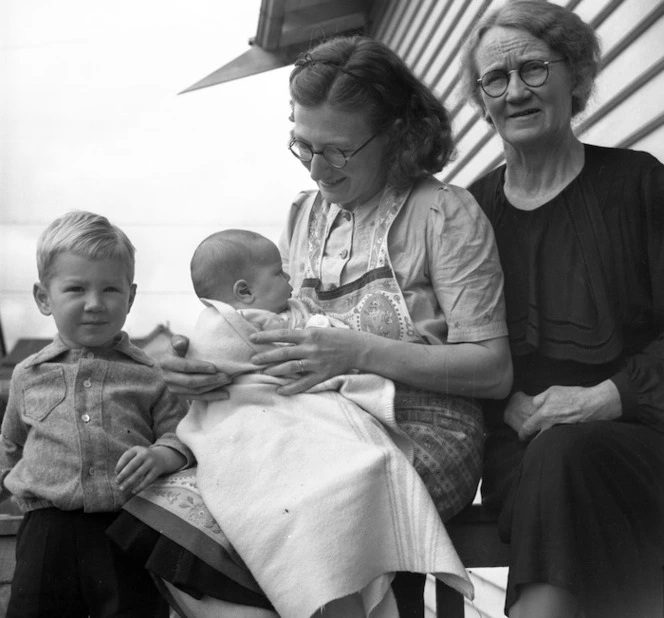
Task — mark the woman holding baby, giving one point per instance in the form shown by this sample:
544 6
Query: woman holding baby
408 262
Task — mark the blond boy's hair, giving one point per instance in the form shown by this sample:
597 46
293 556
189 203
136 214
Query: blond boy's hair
223 258
85 234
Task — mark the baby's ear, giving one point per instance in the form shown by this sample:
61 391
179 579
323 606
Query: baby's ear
40 294
242 292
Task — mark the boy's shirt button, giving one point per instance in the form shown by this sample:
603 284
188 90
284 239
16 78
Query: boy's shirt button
90 355
85 418
87 384
91 471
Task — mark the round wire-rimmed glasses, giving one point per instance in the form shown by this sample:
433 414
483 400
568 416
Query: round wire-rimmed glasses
533 73
333 155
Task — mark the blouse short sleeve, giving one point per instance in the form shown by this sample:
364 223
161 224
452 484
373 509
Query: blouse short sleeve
453 285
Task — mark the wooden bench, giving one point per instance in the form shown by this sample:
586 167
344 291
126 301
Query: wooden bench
474 533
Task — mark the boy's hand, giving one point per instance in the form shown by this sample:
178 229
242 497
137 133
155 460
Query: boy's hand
139 466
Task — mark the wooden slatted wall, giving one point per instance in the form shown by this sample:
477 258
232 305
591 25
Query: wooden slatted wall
627 108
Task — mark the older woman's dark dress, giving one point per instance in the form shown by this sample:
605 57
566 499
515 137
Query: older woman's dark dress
583 505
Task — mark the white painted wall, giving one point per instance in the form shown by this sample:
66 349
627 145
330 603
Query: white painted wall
90 119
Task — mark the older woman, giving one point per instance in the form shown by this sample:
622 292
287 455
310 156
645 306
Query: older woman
405 260
575 462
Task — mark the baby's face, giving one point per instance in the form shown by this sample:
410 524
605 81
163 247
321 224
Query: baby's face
270 284
89 299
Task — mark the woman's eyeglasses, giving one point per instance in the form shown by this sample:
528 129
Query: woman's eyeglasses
333 155
533 73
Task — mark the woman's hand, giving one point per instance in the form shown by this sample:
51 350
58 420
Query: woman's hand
191 379
315 353
572 404
519 409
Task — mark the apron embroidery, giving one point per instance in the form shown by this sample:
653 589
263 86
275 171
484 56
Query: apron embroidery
373 303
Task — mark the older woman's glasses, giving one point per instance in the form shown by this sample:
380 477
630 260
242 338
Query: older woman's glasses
333 155
533 73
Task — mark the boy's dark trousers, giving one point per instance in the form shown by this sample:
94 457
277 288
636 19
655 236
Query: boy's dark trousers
67 567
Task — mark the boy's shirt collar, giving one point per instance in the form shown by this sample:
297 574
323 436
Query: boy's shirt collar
57 348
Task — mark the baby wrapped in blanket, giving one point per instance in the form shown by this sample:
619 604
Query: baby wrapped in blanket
315 491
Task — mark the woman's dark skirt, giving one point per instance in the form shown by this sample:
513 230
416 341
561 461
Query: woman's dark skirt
582 507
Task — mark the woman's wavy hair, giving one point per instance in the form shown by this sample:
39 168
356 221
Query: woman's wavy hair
359 74
561 29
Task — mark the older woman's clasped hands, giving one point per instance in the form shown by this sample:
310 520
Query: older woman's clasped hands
561 404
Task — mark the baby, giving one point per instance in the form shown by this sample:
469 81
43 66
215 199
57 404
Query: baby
243 269
89 422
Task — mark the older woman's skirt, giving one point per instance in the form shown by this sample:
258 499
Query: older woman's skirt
169 529
582 507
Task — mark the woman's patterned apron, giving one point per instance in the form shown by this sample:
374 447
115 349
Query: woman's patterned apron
447 430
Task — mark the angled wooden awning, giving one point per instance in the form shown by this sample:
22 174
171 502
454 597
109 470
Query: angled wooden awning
288 27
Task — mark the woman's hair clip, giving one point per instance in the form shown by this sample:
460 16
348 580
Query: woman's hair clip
309 61
306 60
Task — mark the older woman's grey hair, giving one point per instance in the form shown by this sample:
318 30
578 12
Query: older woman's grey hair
360 74
561 29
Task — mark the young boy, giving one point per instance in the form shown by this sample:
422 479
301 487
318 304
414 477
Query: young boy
243 269
89 422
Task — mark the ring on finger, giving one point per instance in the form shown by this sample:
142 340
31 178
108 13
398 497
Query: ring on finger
302 369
